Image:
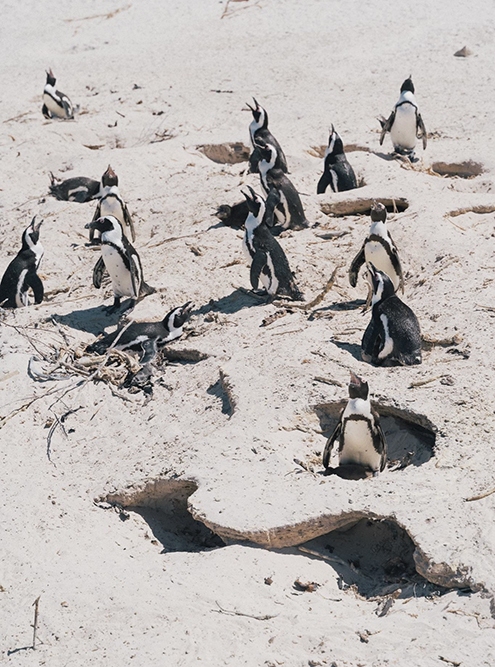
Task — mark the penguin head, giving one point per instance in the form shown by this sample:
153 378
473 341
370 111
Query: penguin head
105 225
255 203
383 287
177 317
407 85
358 388
50 78
31 234
335 143
378 212
259 114
109 178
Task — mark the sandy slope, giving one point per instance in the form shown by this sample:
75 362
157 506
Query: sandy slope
140 589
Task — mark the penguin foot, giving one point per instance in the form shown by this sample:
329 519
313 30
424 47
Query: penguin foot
114 307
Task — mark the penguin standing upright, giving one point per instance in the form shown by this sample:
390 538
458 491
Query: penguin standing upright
268 261
393 335
78 189
121 261
358 432
21 273
111 203
55 103
289 212
404 123
337 172
378 249
259 132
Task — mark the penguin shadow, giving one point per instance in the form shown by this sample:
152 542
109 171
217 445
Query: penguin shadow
232 303
353 348
91 320
355 304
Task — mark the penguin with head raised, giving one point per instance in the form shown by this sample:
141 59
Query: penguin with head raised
55 103
111 203
393 336
78 189
289 213
378 249
358 432
404 123
268 261
259 132
21 274
337 172
121 261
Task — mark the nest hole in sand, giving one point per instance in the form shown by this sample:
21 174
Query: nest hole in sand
466 169
230 152
374 556
162 503
410 436
362 206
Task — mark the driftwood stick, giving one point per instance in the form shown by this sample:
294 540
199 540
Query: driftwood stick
480 496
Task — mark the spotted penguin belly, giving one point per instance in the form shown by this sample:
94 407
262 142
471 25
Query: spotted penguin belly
358 446
403 132
118 272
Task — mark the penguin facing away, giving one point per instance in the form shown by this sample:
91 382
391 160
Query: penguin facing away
21 273
258 131
337 172
289 212
146 337
268 261
378 249
358 432
393 336
55 103
121 261
111 203
404 123
78 189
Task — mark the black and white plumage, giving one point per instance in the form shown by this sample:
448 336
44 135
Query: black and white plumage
358 432
337 172
378 249
121 261
259 132
55 103
393 335
145 337
233 215
289 213
404 123
111 203
268 261
78 189
21 273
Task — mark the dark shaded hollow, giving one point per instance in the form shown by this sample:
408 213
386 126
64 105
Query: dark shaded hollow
362 206
466 169
374 556
162 504
230 152
410 437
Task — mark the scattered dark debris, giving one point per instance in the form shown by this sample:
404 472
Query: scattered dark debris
308 587
268 581
465 52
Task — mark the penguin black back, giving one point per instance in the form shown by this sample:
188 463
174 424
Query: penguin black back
78 189
337 171
21 273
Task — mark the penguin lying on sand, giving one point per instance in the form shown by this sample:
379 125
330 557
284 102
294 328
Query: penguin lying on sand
378 249
393 336
79 189
358 432
55 103
121 261
404 123
21 273
338 173
259 132
233 215
268 261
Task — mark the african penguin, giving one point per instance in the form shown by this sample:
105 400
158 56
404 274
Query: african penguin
121 261
337 172
146 337
111 203
21 273
55 103
78 189
393 335
404 123
358 432
258 131
268 261
289 212
233 215
378 249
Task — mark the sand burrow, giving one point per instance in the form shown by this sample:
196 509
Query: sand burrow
466 169
410 436
230 152
162 503
362 206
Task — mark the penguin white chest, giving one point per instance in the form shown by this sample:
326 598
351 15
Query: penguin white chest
118 272
112 206
403 131
376 254
358 445
268 278
52 106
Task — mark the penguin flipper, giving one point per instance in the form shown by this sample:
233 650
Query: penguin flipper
271 203
69 112
356 265
323 183
98 272
45 112
257 265
35 283
128 222
327 452
370 342
254 160
394 258
387 126
421 130
96 215
379 441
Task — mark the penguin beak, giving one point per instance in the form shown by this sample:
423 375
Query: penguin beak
257 105
355 380
92 224
247 104
36 227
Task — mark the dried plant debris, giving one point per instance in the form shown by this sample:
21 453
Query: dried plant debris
306 587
